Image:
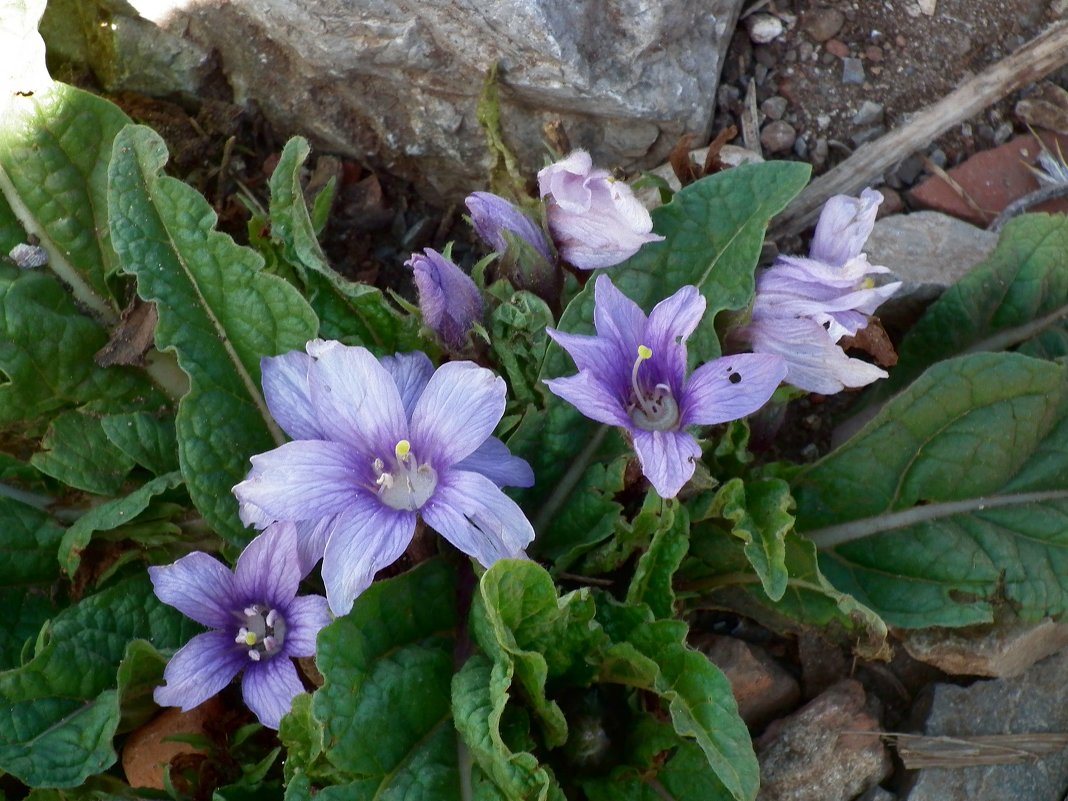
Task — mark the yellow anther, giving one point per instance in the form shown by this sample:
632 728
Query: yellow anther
403 448
867 283
250 638
644 352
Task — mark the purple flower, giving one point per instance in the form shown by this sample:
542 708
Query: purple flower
633 375
448 298
594 220
378 444
804 306
492 216
257 625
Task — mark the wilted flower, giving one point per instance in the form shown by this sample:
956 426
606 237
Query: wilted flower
379 444
804 306
594 220
632 374
492 216
257 625
448 298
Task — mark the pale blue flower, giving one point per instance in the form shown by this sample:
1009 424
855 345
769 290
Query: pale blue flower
594 220
492 216
632 374
257 622
377 445
804 306
448 298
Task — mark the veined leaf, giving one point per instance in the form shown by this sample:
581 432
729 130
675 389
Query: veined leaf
217 310
953 499
77 452
656 568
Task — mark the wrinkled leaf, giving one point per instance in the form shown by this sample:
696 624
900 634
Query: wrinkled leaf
656 568
77 452
218 310
148 439
952 499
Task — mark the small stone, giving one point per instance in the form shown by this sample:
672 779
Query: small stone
790 56
822 23
828 58
1007 648
900 41
852 71
869 113
765 56
913 10
876 71
938 157
909 169
760 73
829 750
763 689
873 53
801 148
928 7
1003 133
778 136
805 51
892 202
867 135
763 28
836 47
774 107
823 120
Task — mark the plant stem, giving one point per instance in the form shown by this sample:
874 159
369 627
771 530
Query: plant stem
567 483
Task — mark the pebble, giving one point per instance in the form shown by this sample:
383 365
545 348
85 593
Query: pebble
763 689
870 113
778 136
938 157
867 135
828 58
763 28
852 71
909 169
765 56
837 48
1003 133
822 23
823 120
892 202
805 51
873 53
774 107
801 148
820 151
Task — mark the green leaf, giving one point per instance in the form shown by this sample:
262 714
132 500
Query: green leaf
724 578
1019 293
77 452
46 352
11 233
952 499
360 313
479 696
218 310
148 439
390 660
759 515
518 340
305 742
55 145
109 516
651 584
535 636
652 655
26 609
686 776
60 711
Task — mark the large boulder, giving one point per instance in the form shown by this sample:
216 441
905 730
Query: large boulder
397 82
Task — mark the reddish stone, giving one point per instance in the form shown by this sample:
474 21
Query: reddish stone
836 47
992 179
762 687
873 53
892 202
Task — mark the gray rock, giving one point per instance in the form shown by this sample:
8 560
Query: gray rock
927 251
763 28
778 136
1034 702
852 71
397 82
774 107
869 113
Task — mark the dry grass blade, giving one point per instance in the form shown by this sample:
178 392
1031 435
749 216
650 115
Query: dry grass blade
918 751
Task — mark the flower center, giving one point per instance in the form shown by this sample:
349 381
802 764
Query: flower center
263 633
408 484
655 410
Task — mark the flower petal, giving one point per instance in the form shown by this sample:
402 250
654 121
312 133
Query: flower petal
448 298
285 388
303 480
667 458
200 669
596 354
269 687
199 586
618 318
493 460
311 541
491 215
472 513
268 570
566 180
591 397
671 322
305 617
411 372
457 412
814 362
730 388
356 399
368 537
844 226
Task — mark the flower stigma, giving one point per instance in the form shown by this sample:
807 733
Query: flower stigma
263 633
652 411
409 484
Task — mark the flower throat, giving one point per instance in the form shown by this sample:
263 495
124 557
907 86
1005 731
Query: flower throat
656 410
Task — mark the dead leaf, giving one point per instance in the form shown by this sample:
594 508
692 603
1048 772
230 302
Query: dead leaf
685 170
132 338
873 341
